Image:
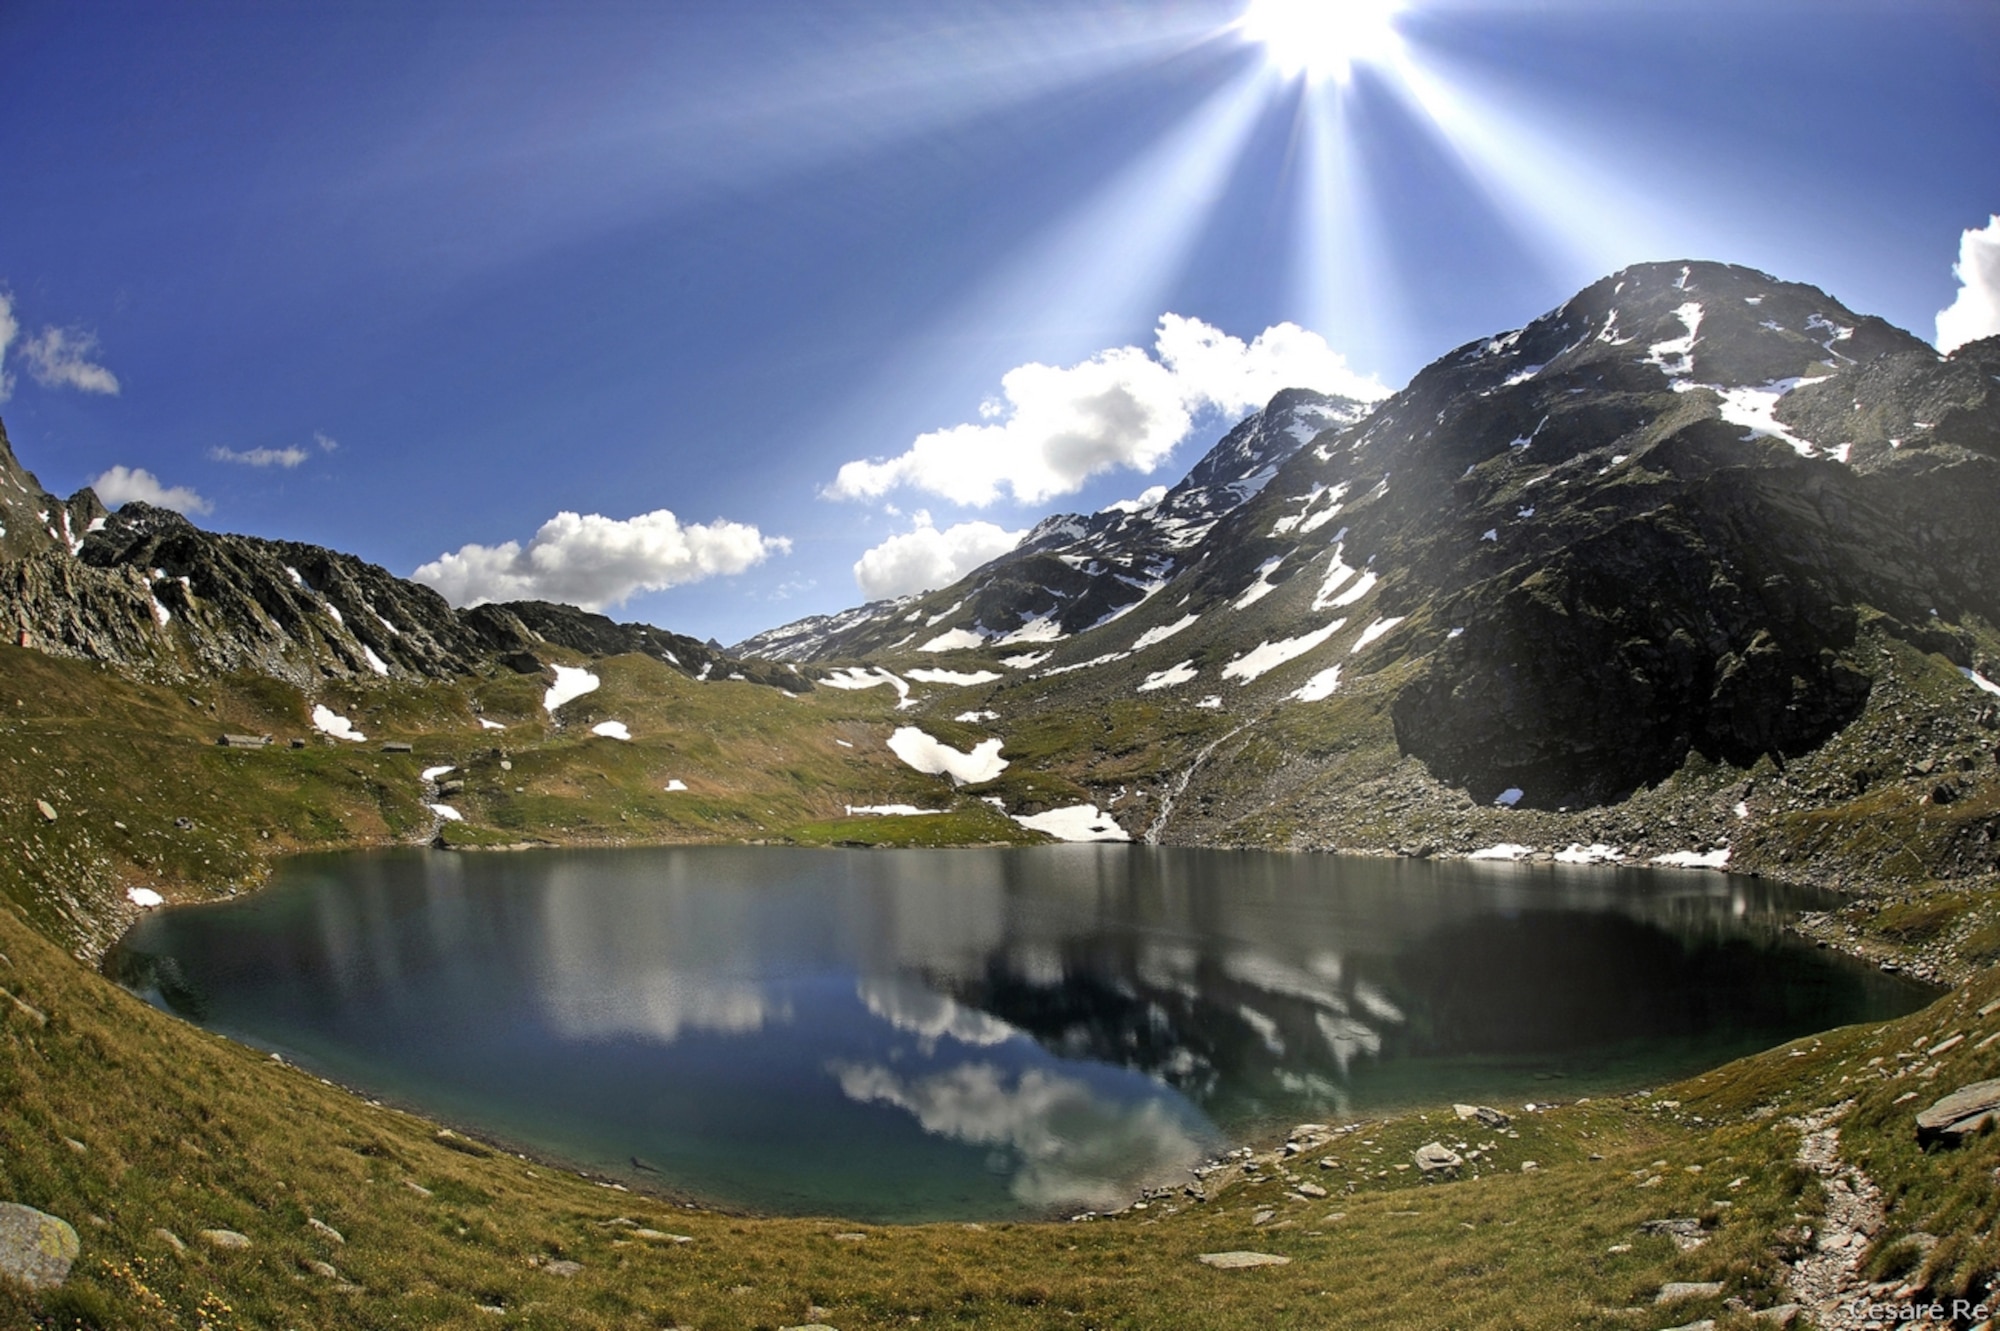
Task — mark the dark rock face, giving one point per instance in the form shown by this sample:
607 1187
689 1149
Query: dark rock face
1652 575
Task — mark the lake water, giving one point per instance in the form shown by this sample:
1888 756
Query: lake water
977 1034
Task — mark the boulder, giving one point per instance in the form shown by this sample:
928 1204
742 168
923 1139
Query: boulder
1437 1160
36 1248
1485 1114
1676 1290
1959 1115
226 1239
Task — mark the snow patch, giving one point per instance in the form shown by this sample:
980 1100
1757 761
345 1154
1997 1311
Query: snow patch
1320 686
1261 588
1171 677
973 718
1041 629
433 773
954 676
1595 853
952 640
1506 850
1694 859
1026 660
889 810
1153 637
1675 356
484 724
329 722
1354 593
1268 656
144 897
572 682
446 812
676 783
1213 702
860 677
1979 681
1078 822
375 662
1509 797
936 758
611 730
1373 632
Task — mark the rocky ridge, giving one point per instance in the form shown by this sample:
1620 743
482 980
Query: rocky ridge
145 588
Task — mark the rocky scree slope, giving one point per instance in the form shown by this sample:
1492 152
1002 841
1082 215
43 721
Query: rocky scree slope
1691 520
147 590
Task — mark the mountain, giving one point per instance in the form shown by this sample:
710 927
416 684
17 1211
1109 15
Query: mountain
147 589
1694 521
1074 572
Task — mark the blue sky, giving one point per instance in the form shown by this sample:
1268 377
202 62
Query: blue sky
415 281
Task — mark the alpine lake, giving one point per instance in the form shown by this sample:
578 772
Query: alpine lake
978 1034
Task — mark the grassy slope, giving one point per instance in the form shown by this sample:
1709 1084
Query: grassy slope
175 1129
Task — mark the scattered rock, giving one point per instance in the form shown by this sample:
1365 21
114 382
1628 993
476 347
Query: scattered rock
1705 1324
807 1326
1313 1190
1675 1290
171 1239
227 1239
417 1188
1530 1166
563 1267
1783 1315
1236 1261
850 1238
661 1237
325 1231
1263 1216
1961 1114
1436 1159
36 1248
1487 1115
1684 1230
28 1010
44 808
323 1270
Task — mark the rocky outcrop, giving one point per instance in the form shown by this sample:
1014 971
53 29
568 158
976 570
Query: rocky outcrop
36 1249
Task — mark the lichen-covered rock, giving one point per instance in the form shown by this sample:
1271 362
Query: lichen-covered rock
36 1248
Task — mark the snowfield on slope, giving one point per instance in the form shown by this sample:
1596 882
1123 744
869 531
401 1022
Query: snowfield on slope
1077 822
1268 656
934 757
572 682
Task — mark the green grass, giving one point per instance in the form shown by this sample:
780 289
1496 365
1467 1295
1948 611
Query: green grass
176 1129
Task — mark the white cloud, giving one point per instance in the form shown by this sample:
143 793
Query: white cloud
920 560
8 328
1976 311
1058 427
121 485
596 561
61 359
327 443
288 457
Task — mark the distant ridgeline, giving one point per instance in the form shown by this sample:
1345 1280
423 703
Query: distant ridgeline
1675 568
146 589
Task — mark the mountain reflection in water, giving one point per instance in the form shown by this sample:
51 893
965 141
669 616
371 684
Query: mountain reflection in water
902 1035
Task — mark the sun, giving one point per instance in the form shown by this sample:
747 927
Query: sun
1322 40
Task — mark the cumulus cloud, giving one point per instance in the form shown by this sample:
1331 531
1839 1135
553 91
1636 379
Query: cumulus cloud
60 358
1053 428
594 561
121 485
327 443
1976 311
56 358
288 457
920 560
